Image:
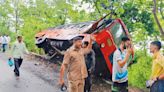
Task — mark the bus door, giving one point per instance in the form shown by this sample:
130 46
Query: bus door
107 46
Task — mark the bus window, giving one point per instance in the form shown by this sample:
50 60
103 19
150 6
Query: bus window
117 33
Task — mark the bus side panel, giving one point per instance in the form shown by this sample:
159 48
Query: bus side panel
107 46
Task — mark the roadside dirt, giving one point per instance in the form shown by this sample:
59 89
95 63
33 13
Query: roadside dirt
50 73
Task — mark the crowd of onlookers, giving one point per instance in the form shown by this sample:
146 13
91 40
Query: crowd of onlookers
4 42
79 64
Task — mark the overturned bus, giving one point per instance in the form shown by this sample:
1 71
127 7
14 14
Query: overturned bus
108 33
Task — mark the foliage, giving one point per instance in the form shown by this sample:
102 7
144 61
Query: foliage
4 28
140 72
42 14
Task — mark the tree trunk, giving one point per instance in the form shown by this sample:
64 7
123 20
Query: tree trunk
161 12
16 15
156 18
16 21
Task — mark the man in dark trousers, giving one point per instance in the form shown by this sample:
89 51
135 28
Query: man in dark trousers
157 75
120 71
90 64
18 50
4 43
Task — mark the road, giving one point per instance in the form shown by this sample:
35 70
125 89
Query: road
36 75
29 81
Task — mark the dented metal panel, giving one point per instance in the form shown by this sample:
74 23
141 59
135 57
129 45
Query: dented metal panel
65 32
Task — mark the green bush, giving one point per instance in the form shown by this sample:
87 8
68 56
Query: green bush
140 71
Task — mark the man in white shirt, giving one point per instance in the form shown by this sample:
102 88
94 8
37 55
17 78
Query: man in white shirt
120 71
18 50
4 43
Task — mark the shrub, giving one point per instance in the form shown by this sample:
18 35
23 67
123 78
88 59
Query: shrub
140 71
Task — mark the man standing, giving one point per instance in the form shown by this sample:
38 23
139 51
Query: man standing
4 43
18 50
74 63
157 75
90 63
120 72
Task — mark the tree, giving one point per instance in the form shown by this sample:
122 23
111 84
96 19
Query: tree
156 18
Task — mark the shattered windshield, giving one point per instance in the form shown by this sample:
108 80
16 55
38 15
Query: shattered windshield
117 32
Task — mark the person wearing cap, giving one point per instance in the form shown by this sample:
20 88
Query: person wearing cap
74 63
157 75
17 53
120 72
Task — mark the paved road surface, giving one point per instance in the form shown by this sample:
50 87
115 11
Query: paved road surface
36 77
28 82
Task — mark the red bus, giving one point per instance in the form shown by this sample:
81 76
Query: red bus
108 33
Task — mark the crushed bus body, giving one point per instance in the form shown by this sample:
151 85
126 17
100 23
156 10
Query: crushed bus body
108 33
